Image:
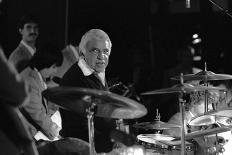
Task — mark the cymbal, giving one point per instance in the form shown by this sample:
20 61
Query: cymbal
203 75
207 132
211 117
109 105
157 125
186 88
154 137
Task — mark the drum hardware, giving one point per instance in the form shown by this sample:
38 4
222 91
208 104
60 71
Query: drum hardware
204 76
181 89
155 125
208 119
215 116
203 133
185 87
163 144
94 103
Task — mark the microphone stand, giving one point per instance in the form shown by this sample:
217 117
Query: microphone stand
221 8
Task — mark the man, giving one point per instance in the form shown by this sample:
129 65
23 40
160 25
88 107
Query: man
14 136
28 28
14 132
41 66
89 72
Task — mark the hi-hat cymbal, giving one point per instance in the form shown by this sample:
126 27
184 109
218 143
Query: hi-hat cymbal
154 137
107 104
156 125
203 76
185 88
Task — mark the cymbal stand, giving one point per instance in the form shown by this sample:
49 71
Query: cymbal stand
206 91
182 111
90 117
157 119
207 102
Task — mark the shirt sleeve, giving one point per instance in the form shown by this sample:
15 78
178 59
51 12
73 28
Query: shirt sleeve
37 111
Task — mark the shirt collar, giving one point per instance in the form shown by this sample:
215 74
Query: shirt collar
88 71
30 49
85 67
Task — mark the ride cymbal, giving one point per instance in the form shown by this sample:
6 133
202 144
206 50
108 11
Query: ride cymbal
203 76
185 88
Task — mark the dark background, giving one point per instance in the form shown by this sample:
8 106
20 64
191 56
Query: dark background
149 31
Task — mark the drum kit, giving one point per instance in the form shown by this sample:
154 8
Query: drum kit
96 103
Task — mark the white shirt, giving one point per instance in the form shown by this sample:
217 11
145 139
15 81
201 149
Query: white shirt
41 79
88 71
30 49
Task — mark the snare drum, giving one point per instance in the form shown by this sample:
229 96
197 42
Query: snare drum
158 144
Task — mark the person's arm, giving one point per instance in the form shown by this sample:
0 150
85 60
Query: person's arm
37 111
17 94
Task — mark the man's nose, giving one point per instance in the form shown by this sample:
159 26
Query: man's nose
100 55
34 30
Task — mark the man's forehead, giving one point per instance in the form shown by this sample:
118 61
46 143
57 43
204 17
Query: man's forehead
94 41
31 24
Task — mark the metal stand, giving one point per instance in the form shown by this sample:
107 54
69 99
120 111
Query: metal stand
182 111
90 117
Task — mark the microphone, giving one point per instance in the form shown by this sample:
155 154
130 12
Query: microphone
187 4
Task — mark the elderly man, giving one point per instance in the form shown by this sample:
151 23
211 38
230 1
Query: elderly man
89 72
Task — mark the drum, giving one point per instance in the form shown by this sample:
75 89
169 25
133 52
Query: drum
224 143
227 149
159 144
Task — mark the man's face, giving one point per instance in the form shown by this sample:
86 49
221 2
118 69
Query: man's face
29 32
97 54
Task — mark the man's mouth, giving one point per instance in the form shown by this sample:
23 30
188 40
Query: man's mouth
100 63
33 34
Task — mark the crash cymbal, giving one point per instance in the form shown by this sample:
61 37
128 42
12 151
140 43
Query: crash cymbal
108 104
156 125
211 117
203 76
185 88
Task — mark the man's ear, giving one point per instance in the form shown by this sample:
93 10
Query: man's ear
53 66
20 30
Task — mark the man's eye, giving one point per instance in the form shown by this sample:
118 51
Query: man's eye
95 51
29 27
106 52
